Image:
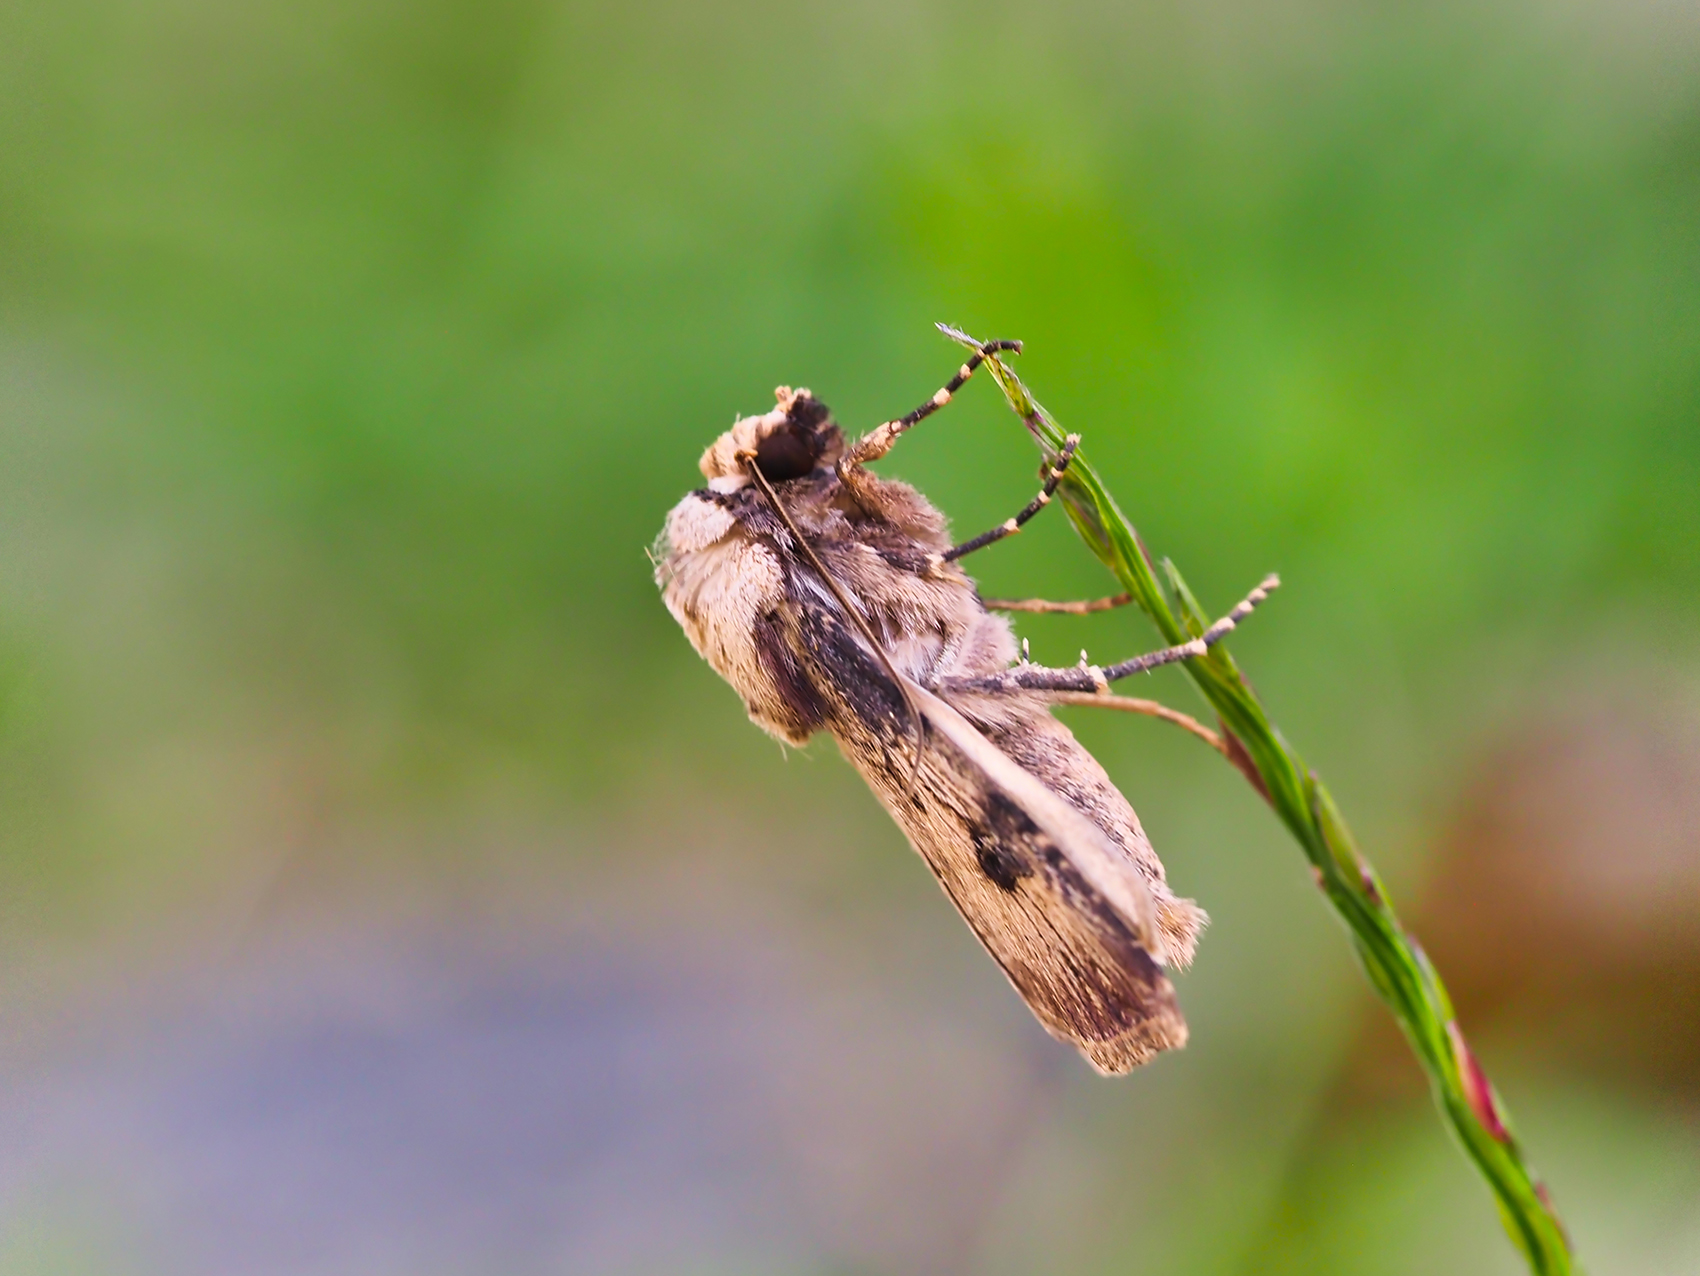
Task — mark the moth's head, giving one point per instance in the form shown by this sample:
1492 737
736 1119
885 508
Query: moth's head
795 439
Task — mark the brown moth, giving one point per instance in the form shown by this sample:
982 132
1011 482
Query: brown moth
831 600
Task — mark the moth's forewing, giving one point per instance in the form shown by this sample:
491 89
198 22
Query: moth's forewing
1068 919
1073 928
1086 849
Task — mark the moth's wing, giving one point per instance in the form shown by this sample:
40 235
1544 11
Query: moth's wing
1067 915
1082 842
1069 920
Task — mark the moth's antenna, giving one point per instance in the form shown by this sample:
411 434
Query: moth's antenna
856 617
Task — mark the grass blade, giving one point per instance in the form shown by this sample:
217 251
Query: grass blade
1397 967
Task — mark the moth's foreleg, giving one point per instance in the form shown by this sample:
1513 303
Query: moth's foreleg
878 441
1010 527
1093 678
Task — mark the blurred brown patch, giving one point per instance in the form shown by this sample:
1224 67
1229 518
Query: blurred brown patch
1564 912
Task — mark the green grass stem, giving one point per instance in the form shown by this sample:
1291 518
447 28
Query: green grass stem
1395 963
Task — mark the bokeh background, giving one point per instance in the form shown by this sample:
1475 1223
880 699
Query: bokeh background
385 887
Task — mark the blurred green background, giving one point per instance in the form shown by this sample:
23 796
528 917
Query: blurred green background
386 887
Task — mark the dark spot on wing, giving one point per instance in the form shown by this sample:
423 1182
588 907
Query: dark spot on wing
999 863
1002 838
855 674
789 679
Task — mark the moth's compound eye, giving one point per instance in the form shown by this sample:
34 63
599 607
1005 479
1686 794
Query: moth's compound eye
787 453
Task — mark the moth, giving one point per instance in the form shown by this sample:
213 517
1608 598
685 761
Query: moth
832 600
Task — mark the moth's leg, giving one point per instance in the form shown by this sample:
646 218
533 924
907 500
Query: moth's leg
1014 525
1089 677
1149 708
1045 607
877 442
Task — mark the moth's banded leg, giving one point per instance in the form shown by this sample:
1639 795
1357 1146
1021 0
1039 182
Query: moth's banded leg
878 441
1014 525
1090 677
1043 606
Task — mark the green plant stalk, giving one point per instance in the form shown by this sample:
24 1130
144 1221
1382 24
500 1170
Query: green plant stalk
1396 964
